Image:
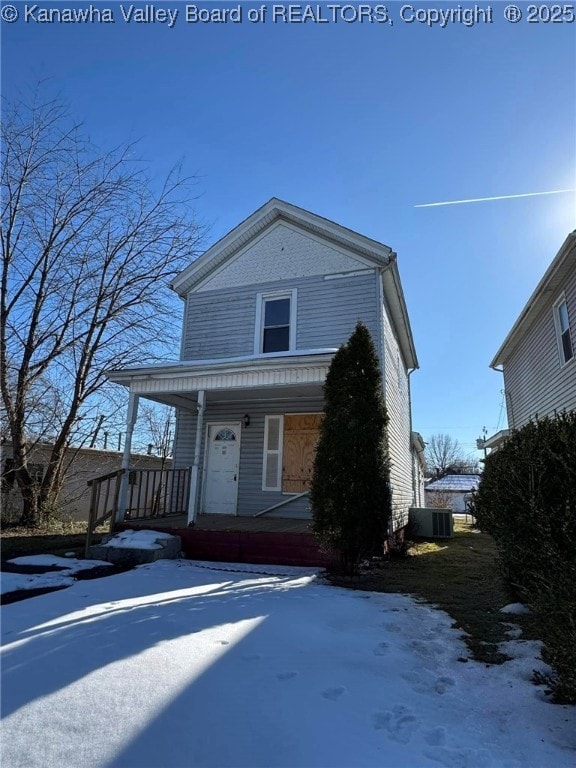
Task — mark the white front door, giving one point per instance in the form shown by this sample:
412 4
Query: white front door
223 452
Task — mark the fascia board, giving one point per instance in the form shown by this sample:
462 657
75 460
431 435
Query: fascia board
370 250
399 313
560 266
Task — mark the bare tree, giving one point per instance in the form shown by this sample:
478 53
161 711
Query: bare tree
445 455
158 423
439 499
87 251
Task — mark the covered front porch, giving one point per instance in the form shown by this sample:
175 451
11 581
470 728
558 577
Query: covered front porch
245 428
244 446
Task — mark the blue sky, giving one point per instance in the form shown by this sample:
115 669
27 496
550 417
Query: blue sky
359 123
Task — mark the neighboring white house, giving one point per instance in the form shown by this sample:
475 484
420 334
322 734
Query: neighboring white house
83 464
538 357
494 442
265 309
452 491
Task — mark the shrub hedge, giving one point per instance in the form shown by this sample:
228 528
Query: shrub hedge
527 502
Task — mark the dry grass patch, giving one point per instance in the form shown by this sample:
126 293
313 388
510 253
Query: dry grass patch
57 538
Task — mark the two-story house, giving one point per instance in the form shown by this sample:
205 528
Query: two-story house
266 307
538 357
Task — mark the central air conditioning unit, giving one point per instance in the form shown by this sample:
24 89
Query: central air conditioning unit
432 523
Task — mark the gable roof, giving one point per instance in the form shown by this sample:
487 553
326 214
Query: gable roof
551 282
460 483
377 254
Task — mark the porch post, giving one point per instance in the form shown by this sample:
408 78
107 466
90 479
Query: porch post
193 499
130 422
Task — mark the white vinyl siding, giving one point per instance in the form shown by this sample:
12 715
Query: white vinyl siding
397 395
272 463
536 381
282 252
223 323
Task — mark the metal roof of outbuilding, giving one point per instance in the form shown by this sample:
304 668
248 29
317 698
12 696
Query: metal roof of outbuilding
461 483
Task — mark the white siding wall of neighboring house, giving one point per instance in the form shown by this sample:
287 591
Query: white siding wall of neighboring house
83 464
456 501
221 323
535 381
399 428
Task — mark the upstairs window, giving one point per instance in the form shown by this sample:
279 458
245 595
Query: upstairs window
565 346
276 329
275 323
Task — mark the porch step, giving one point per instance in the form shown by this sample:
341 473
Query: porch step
258 547
136 547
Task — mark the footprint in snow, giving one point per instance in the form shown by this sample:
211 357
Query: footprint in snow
460 758
286 675
399 724
423 681
381 649
333 694
444 684
427 649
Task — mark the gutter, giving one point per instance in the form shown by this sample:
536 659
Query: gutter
533 304
401 321
196 367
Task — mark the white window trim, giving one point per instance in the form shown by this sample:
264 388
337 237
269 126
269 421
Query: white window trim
279 452
558 328
259 329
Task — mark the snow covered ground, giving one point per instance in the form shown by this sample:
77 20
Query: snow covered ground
178 664
13 582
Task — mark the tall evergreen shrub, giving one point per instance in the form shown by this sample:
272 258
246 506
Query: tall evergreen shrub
350 489
527 502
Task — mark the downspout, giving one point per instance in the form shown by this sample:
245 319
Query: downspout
410 372
381 343
507 398
193 498
183 337
130 422
382 346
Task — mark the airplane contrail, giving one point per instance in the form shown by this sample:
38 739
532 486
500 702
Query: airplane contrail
499 197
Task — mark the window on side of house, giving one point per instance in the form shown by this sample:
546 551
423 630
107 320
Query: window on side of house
562 322
275 323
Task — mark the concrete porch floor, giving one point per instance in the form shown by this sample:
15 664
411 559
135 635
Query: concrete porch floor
226 523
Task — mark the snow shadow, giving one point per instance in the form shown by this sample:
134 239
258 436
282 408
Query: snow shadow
52 642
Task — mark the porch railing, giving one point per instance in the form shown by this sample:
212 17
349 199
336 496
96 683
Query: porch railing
150 493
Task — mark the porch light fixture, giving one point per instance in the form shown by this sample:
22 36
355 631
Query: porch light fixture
246 420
